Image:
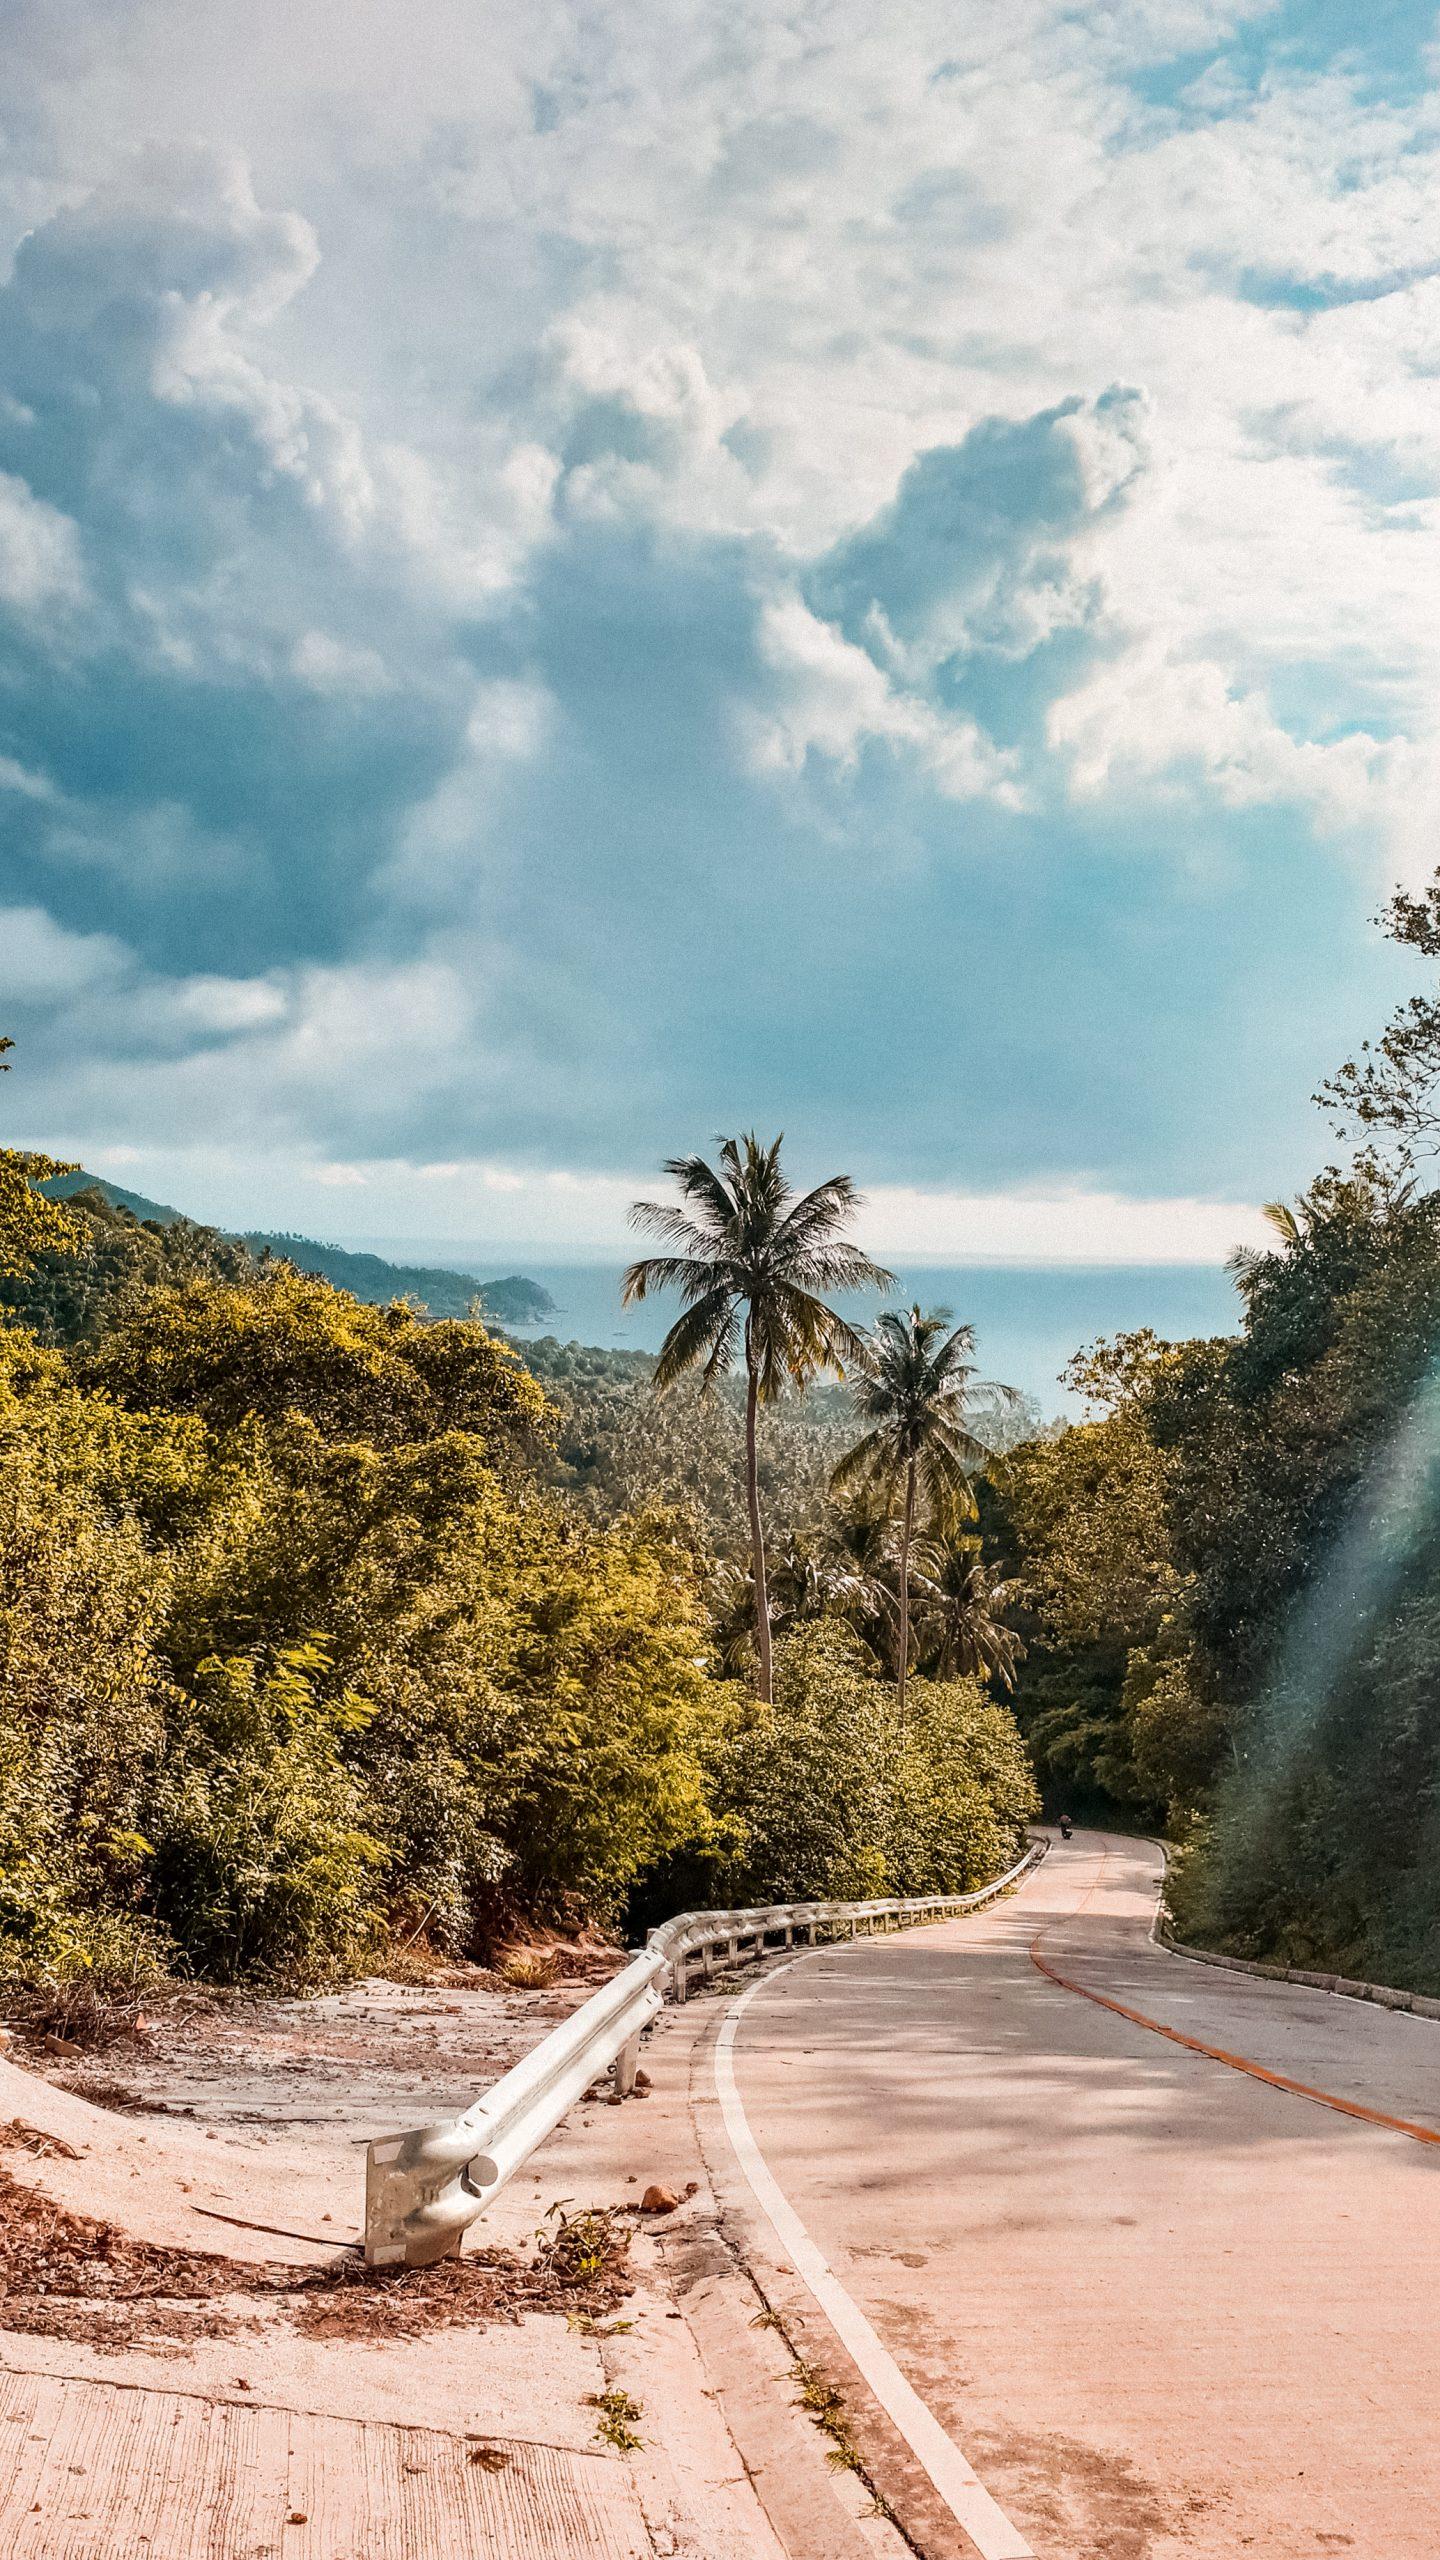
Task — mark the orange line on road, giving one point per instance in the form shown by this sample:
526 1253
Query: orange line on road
1232 2061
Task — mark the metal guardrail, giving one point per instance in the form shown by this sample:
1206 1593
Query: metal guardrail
423 2189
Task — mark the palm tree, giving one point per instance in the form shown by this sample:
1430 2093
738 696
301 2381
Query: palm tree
959 1604
749 1261
917 1392
1246 1264
803 1582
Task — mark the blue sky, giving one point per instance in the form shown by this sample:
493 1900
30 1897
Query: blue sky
576 576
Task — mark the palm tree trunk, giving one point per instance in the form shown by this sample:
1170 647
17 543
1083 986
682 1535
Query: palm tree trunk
906 1534
757 1534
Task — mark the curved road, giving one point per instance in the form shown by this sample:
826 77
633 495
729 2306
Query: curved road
1163 2306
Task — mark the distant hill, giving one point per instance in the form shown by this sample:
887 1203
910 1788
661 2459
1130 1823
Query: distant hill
365 1275
445 1293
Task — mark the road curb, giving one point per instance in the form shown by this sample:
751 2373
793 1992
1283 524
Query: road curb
1379 1994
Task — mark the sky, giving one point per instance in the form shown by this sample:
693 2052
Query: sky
576 577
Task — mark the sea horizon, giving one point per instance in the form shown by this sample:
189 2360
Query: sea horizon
1029 1318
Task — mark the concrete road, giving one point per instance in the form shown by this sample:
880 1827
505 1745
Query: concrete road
1163 2306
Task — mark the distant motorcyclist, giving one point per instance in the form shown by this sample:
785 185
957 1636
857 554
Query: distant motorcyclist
1066 1826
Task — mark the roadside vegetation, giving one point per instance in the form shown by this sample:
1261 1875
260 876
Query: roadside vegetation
317 1642
1230 1569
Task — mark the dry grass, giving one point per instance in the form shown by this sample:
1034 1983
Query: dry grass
64 2275
530 1968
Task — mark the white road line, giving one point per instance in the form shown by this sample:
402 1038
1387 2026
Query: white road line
937 2453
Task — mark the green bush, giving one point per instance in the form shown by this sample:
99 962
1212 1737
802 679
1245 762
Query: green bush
961 1791
263 1864
833 1800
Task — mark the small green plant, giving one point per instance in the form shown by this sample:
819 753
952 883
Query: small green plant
619 2417
825 2405
583 2250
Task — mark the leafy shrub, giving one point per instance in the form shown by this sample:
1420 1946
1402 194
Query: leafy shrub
834 1800
287 1344
263 1864
960 1790
96 1970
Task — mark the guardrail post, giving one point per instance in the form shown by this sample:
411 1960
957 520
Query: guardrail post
627 2062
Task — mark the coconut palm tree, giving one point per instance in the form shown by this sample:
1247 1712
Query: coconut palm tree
959 1601
1246 1264
803 1582
749 1261
918 1393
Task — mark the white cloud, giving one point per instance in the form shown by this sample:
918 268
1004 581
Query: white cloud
41 961
25 784
831 699
40 561
330 666
334 401
229 1004
509 719
1173 721
1063 1226
577 1215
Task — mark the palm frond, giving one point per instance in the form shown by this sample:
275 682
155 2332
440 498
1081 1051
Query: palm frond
692 1276
916 1392
868 1460
802 1335
838 1266
668 1222
704 1189
1283 1220
706 1337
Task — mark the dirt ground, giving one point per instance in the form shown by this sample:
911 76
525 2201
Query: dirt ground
332 2068
340 2067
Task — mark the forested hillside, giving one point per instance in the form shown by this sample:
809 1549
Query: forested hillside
327 1631
366 1275
619 1449
1230 1570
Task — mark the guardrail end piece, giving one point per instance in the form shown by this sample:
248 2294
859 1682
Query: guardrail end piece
398 2182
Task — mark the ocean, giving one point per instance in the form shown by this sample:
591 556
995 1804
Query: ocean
1028 1319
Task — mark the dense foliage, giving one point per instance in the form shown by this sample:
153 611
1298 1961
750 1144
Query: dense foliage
1230 1567
837 1793
98 1256
829 1793
619 1448
308 1647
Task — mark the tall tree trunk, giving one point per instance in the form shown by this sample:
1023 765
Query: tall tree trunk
906 1534
757 1534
